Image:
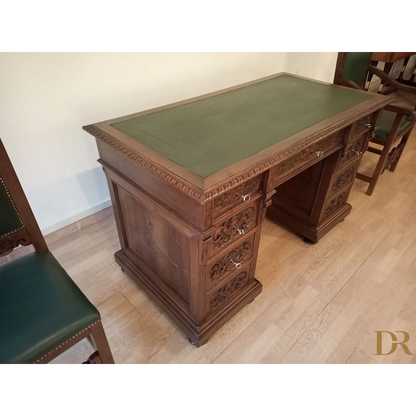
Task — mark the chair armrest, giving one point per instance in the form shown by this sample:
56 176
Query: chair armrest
410 115
397 109
389 80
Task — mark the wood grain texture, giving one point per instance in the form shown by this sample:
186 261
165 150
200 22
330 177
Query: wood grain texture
320 304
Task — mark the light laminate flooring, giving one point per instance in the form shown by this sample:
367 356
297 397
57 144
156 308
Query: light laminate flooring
320 303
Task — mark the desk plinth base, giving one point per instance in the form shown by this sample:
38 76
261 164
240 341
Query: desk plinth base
199 335
311 232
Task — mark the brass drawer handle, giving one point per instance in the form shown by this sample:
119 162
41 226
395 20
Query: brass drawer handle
240 231
247 197
368 125
357 152
319 153
237 265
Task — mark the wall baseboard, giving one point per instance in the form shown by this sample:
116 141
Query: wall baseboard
79 225
71 220
62 232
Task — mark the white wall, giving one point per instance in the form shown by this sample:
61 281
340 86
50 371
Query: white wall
316 65
47 95
45 99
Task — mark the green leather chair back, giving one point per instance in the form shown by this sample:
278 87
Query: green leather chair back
10 220
355 67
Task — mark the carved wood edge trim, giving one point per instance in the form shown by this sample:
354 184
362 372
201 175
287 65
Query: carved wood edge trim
152 167
211 193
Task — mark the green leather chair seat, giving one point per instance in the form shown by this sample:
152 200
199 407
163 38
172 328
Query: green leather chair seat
40 308
386 122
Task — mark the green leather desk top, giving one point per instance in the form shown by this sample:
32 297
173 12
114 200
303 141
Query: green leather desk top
210 134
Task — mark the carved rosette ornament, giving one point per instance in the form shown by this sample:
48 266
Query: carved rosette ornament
231 261
227 290
233 227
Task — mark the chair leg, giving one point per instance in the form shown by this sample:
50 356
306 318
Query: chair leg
100 339
384 154
377 172
401 146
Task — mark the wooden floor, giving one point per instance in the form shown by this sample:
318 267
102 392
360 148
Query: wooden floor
320 303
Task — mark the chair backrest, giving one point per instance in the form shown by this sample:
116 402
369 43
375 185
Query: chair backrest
352 69
18 225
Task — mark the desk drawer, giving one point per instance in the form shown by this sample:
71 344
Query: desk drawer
235 257
343 177
298 162
221 294
364 125
233 228
354 149
336 201
242 194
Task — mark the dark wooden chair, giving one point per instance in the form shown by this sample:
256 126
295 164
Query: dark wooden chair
353 70
42 311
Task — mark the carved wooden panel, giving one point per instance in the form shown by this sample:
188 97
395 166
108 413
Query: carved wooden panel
156 242
233 228
363 124
241 194
393 156
233 260
228 290
335 203
354 150
343 178
312 153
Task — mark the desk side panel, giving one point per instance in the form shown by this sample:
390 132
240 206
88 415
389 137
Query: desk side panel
171 198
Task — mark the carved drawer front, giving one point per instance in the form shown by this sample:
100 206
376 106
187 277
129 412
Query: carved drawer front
335 202
364 125
299 161
354 150
233 228
230 261
224 293
242 194
343 177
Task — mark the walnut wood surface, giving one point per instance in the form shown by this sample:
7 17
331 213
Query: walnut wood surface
390 57
179 233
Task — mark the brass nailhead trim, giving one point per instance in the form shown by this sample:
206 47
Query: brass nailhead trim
14 206
79 333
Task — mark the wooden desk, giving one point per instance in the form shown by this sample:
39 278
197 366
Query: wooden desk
191 182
